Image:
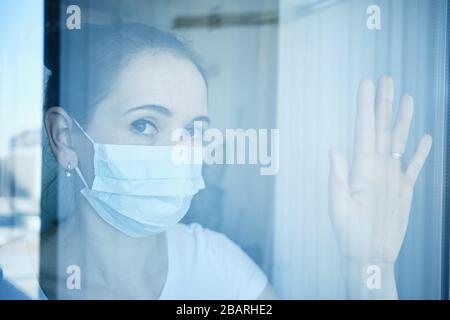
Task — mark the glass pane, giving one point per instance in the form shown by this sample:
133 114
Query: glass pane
207 149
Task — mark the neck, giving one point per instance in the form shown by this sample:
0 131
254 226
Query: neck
108 254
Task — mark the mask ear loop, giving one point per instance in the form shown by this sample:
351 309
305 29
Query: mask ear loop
84 132
77 170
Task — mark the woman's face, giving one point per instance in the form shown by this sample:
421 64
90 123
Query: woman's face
154 94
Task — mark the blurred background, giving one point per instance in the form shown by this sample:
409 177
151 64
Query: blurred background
288 64
21 56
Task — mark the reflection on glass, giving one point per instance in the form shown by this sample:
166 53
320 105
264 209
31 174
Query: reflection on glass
93 205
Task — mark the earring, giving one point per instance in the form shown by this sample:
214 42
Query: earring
67 171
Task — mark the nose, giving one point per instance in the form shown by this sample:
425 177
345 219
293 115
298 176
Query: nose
178 136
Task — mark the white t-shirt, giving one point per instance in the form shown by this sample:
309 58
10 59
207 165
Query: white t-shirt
204 264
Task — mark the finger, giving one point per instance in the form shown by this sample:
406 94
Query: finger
385 96
365 120
419 158
401 130
339 190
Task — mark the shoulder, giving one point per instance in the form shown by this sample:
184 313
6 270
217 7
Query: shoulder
206 243
201 238
212 255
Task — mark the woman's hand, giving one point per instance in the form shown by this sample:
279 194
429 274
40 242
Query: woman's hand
370 202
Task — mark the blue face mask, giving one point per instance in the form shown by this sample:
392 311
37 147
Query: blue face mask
142 190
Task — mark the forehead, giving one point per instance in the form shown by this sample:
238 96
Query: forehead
161 78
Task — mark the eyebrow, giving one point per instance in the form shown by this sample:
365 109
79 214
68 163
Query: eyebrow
202 118
160 109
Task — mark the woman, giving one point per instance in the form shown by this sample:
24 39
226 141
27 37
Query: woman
111 133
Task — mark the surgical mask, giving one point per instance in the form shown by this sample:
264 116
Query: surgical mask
142 190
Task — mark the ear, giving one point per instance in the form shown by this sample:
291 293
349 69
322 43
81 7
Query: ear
58 125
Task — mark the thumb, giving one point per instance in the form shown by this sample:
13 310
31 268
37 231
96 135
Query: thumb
338 186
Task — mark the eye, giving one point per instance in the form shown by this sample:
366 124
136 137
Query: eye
144 127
